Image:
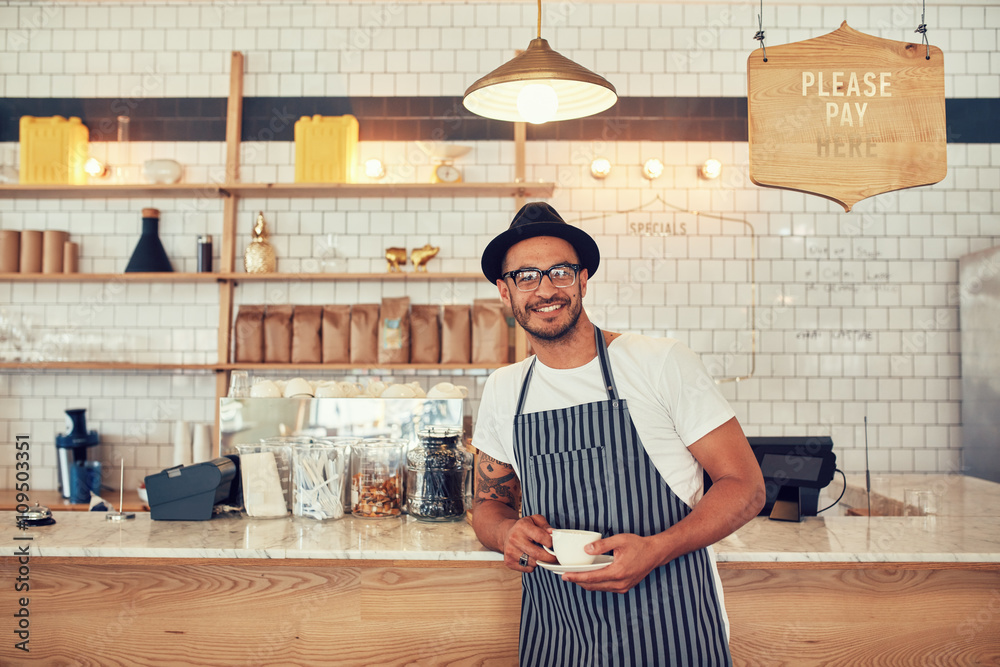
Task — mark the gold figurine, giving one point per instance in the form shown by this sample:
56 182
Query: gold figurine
259 256
420 256
395 257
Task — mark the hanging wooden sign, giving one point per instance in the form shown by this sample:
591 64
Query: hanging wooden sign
847 116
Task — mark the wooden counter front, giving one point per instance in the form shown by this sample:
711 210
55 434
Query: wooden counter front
220 612
223 612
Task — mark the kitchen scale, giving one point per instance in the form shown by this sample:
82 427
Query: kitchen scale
444 156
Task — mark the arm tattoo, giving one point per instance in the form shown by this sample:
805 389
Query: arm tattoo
495 480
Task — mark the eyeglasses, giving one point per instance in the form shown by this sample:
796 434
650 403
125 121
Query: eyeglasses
528 280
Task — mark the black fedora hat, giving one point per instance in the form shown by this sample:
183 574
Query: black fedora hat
539 219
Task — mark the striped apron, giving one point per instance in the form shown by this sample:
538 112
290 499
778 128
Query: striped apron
584 467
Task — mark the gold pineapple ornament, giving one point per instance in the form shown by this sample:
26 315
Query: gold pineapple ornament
259 256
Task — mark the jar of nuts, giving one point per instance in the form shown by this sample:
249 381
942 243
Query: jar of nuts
377 467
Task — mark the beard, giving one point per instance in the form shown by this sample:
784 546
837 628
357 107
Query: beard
550 331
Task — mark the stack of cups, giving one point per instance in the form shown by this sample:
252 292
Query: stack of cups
182 444
10 251
201 449
32 251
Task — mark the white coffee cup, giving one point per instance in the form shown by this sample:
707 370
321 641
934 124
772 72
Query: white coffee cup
299 388
398 391
447 390
329 390
349 389
418 391
375 388
567 546
265 389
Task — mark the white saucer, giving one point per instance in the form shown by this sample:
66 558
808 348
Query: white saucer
602 561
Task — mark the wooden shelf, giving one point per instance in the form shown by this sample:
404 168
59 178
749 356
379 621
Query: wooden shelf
229 195
54 501
123 191
342 367
110 277
410 276
295 190
290 190
209 368
102 366
404 276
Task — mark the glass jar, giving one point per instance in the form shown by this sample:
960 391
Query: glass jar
436 471
319 469
266 475
376 478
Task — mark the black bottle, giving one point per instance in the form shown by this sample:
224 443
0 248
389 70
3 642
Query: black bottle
204 254
149 255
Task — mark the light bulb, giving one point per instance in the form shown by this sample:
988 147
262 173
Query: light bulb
374 168
652 169
95 168
537 103
600 168
711 169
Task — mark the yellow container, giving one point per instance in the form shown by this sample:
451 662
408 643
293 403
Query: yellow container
326 148
53 150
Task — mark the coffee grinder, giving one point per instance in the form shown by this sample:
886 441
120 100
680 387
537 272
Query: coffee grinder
72 447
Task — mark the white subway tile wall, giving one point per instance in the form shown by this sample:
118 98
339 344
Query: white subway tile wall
825 317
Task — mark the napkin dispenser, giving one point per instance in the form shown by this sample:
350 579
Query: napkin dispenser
188 493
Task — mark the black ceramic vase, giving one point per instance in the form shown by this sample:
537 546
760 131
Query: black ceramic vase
149 255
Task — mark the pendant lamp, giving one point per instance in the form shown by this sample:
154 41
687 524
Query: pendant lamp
538 86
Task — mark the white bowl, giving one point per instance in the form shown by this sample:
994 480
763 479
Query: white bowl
161 171
298 388
447 390
398 391
265 389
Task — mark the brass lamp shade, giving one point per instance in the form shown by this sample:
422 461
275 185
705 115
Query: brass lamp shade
580 91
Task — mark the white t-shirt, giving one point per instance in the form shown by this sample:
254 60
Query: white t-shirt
671 397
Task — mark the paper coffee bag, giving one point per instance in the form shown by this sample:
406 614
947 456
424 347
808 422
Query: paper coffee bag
425 334
248 335
364 333
278 334
336 334
394 331
307 322
456 335
489 333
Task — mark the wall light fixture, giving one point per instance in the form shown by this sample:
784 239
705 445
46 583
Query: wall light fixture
95 168
374 168
652 169
600 168
711 169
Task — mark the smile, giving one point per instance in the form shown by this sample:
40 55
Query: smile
548 309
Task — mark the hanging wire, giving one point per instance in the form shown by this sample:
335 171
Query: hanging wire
922 29
760 30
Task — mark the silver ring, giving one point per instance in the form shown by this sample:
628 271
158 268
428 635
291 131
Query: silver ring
523 560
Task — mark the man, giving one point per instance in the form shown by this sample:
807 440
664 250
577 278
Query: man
606 432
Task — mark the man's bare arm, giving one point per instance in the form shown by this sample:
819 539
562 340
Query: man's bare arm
496 494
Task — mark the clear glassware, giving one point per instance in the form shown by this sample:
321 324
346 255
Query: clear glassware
122 165
436 475
266 473
328 254
377 467
319 470
239 384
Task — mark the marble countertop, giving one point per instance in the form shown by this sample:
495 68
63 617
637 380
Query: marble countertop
965 530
